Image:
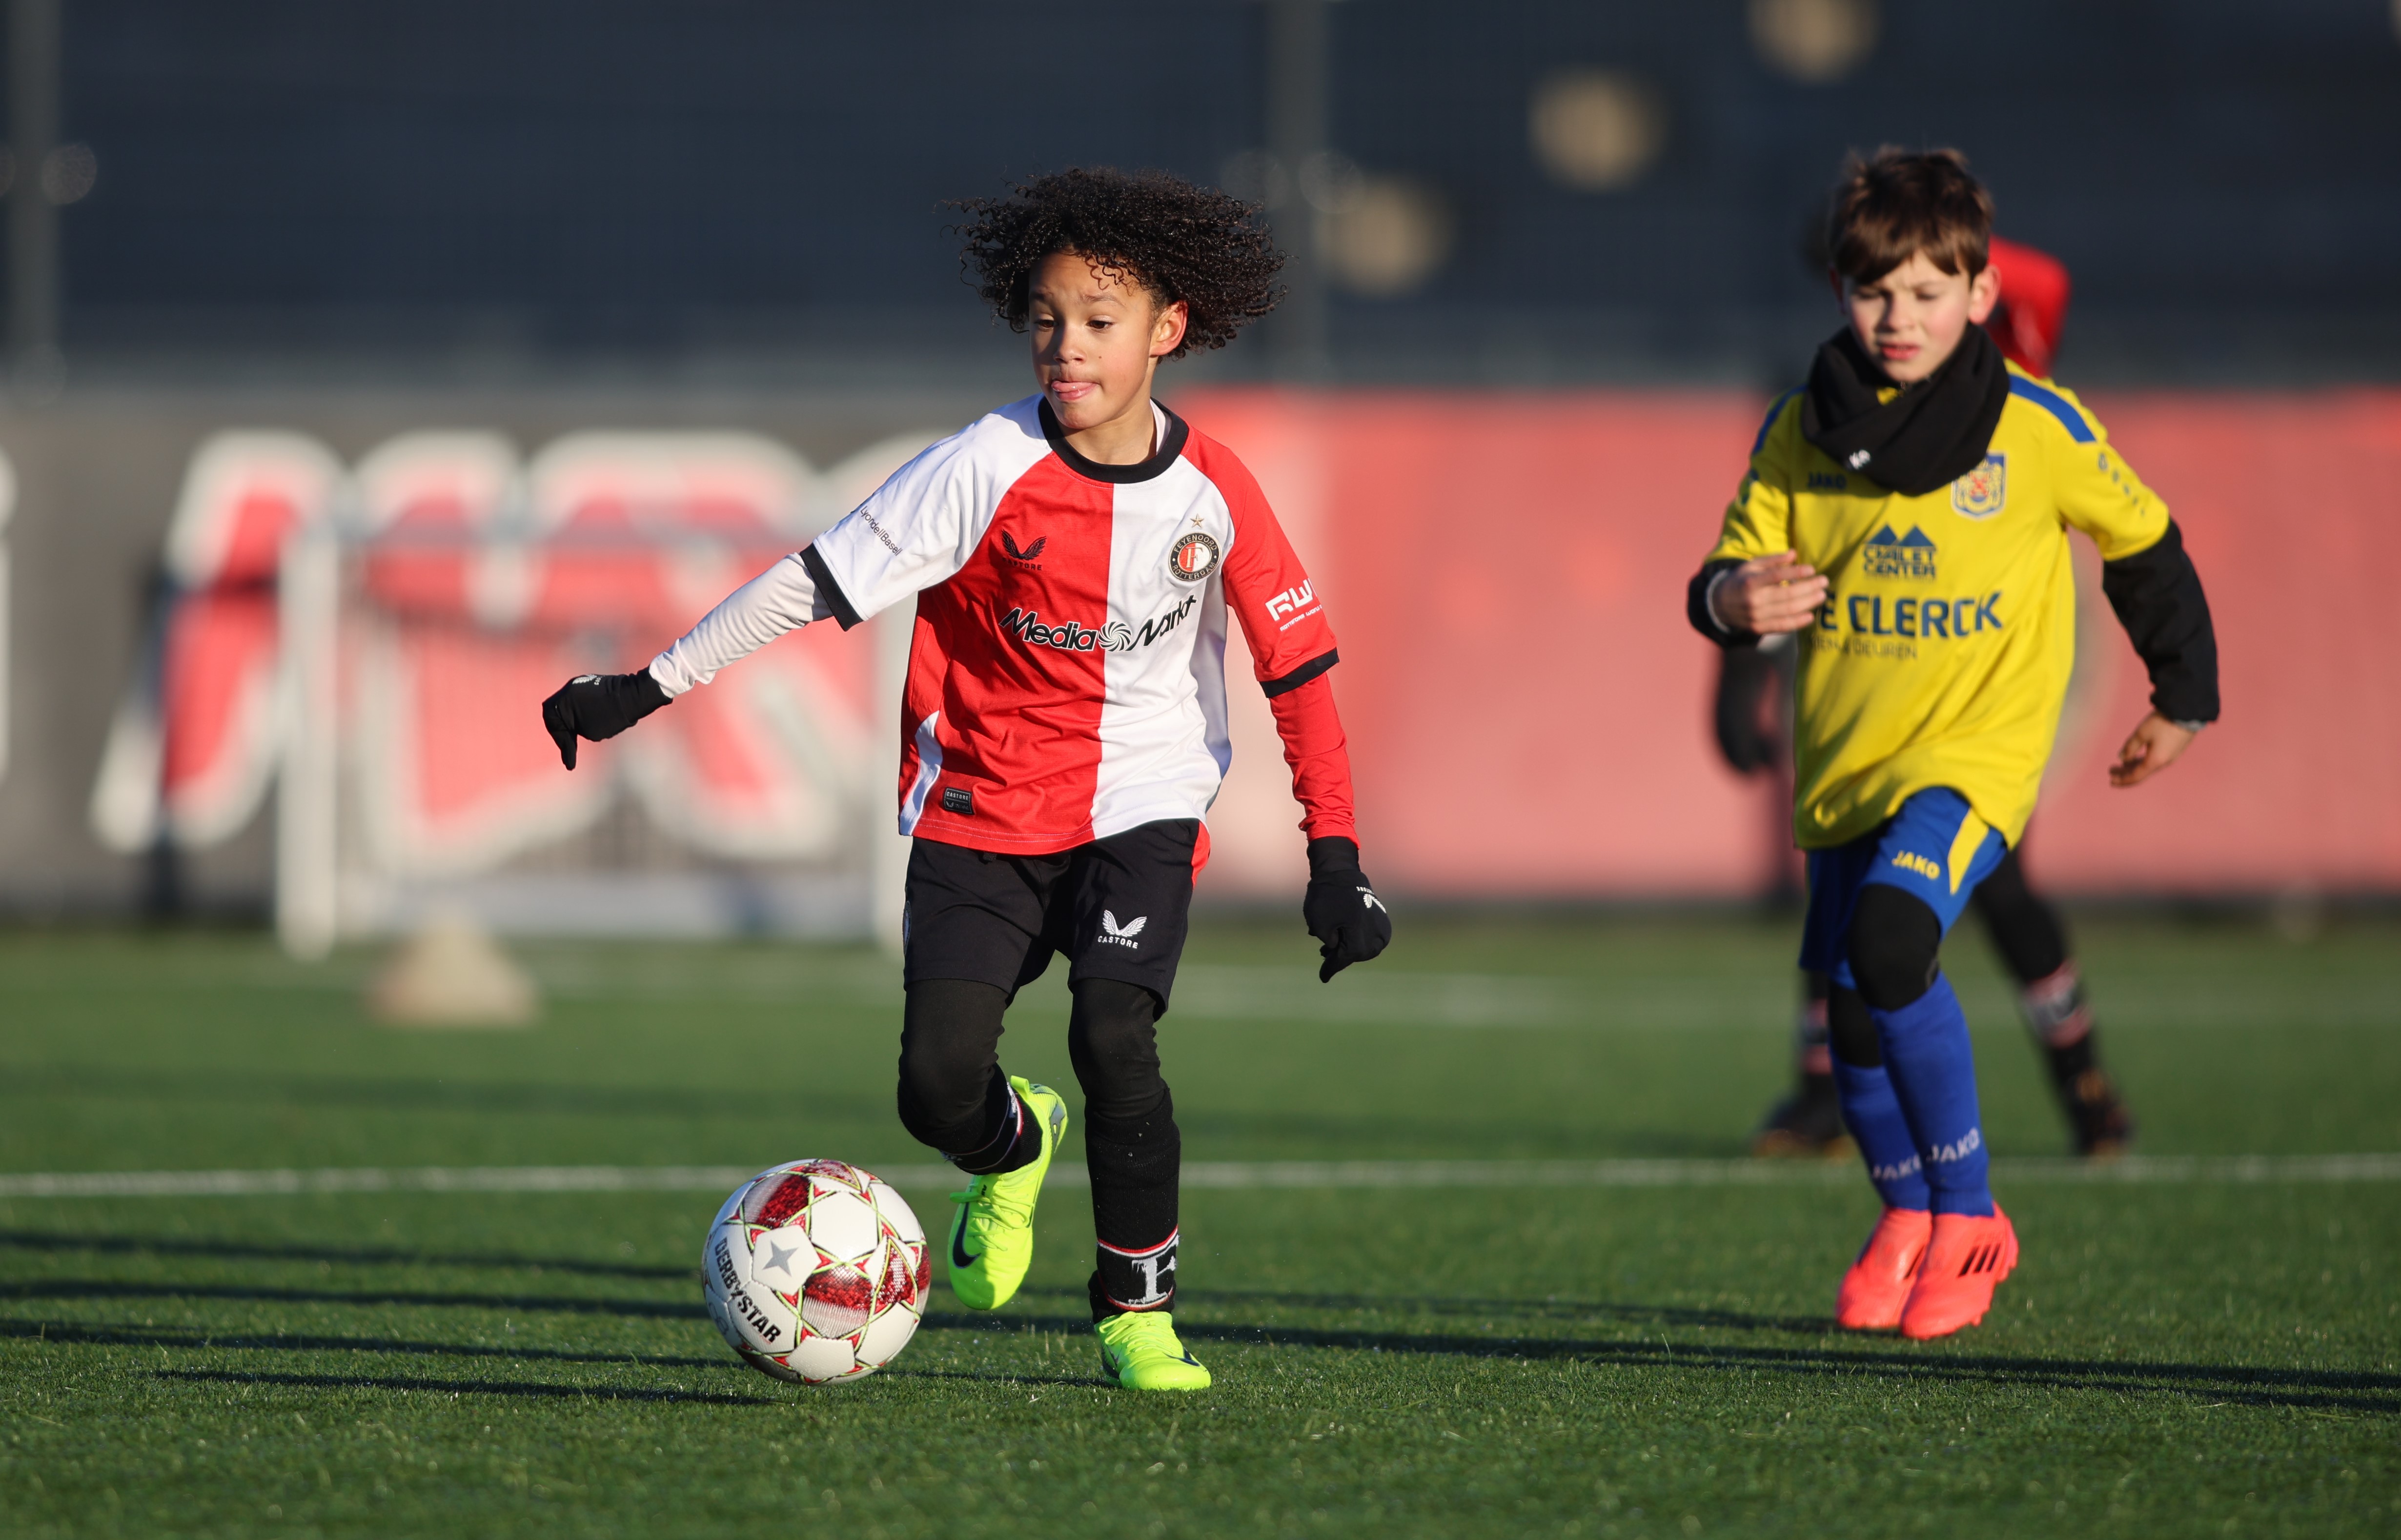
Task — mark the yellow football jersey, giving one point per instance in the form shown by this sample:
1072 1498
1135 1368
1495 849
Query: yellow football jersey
1942 653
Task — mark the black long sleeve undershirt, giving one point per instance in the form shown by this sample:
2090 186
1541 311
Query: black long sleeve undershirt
2158 599
1696 606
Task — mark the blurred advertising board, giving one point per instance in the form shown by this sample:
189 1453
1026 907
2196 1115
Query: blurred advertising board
363 646
1529 711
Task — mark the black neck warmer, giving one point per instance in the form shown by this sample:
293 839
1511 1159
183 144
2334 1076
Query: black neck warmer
1925 438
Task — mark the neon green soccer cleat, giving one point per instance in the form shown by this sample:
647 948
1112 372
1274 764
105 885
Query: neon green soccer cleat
992 1239
1140 1350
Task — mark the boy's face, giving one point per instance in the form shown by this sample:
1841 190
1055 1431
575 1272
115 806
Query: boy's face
1097 338
1912 318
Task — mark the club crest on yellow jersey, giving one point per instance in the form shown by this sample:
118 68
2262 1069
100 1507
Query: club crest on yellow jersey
1982 491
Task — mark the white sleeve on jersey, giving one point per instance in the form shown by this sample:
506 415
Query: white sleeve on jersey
924 524
779 600
915 531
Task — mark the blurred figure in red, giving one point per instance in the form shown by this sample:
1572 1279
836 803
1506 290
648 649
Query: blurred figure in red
2032 307
1751 721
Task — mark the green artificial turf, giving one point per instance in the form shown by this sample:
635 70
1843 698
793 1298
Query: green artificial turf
2171 1359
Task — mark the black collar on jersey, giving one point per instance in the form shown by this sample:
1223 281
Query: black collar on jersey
1928 436
1171 444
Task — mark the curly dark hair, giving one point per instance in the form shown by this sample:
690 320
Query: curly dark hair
1180 242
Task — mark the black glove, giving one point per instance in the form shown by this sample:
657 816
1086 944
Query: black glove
598 705
1350 923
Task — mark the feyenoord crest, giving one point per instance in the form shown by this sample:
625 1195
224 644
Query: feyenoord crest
1980 493
1193 558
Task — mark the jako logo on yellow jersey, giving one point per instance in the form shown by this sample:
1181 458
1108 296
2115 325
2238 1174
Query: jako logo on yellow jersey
1924 866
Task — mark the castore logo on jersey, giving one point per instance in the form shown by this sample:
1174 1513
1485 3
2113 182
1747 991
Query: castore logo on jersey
1028 557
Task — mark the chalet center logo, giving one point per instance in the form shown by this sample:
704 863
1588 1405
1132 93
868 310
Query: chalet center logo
1909 556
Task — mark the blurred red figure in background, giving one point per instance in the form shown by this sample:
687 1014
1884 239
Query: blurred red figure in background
2034 305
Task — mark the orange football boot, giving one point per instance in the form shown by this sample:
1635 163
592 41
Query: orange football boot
1968 1255
1877 1284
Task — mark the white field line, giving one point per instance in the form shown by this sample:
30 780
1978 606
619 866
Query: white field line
2137 1170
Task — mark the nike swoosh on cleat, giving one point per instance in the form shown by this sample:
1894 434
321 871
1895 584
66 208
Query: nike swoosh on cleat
959 1256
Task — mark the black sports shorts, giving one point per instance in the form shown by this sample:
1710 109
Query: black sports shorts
1117 908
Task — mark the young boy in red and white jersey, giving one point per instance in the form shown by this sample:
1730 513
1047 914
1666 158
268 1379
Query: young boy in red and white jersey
1074 558
1905 518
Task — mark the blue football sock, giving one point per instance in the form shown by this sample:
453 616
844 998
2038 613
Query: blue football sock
1933 1074
1872 1114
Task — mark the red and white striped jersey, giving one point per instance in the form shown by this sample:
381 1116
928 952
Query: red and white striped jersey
1066 678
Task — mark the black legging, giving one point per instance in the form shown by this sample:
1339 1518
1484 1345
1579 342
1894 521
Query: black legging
2024 928
954 1096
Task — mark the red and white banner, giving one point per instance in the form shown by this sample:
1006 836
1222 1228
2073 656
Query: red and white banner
1528 711
472 586
194 743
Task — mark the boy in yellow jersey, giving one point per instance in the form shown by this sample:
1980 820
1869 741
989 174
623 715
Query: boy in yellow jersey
1905 518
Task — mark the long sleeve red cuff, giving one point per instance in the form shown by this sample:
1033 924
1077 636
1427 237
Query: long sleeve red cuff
1320 757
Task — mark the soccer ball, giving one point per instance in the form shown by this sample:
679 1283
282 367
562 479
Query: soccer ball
816 1271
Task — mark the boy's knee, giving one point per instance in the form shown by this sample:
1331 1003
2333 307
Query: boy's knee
1113 1040
1895 945
949 1039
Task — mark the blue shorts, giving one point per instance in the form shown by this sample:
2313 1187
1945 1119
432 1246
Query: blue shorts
1935 848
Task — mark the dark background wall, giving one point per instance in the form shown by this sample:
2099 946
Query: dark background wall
547 215
551 181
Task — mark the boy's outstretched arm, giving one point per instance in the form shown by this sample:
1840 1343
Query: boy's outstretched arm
1341 908
2158 595
1292 653
913 531
782 598
2151 583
